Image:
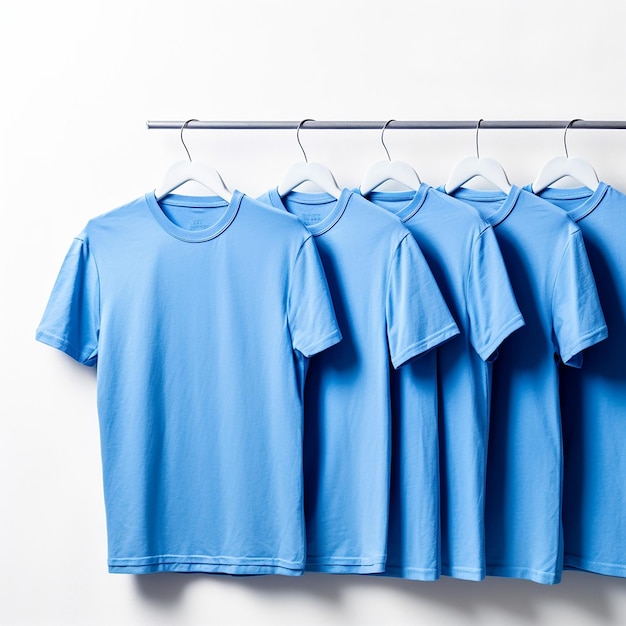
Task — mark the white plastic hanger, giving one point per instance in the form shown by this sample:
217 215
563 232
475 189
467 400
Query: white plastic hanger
302 172
182 172
566 166
471 167
382 171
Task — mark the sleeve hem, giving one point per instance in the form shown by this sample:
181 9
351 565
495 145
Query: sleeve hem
514 324
326 342
420 347
64 346
591 338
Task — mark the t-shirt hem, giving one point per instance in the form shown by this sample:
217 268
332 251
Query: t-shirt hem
420 347
410 573
588 340
326 342
596 567
526 573
463 573
346 565
205 564
64 346
508 329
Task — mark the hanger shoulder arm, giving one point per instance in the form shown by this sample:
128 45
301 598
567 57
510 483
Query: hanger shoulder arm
184 171
398 171
485 167
316 173
561 167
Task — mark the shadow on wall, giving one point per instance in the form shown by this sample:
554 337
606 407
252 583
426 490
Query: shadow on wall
590 595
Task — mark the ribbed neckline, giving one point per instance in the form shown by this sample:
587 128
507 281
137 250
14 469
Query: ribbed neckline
491 196
195 236
323 226
414 199
588 198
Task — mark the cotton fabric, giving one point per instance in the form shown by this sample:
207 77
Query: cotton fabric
545 256
201 317
390 311
454 391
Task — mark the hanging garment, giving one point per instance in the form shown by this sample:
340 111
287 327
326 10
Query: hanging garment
549 270
463 254
201 316
388 307
593 399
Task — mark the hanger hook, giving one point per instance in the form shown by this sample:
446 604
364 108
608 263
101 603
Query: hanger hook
182 128
565 135
382 137
477 129
306 160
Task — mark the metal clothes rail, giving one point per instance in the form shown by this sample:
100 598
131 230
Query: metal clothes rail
397 124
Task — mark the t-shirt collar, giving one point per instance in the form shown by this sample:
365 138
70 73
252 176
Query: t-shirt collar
324 225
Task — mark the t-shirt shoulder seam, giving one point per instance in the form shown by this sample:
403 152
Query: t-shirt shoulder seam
393 256
558 271
95 264
470 264
484 227
307 236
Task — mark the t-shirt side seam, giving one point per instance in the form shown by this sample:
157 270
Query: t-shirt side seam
508 329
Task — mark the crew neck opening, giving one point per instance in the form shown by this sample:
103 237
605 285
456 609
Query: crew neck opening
578 202
494 205
319 212
403 204
194 218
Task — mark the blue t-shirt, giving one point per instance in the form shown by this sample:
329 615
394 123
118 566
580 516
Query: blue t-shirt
201 316
593 399
463 254
549 270
388 307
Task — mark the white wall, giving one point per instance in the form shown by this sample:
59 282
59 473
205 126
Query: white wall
79 80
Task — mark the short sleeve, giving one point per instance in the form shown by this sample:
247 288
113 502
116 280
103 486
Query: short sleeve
491 305
418 319
310 311
71 320
578 321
